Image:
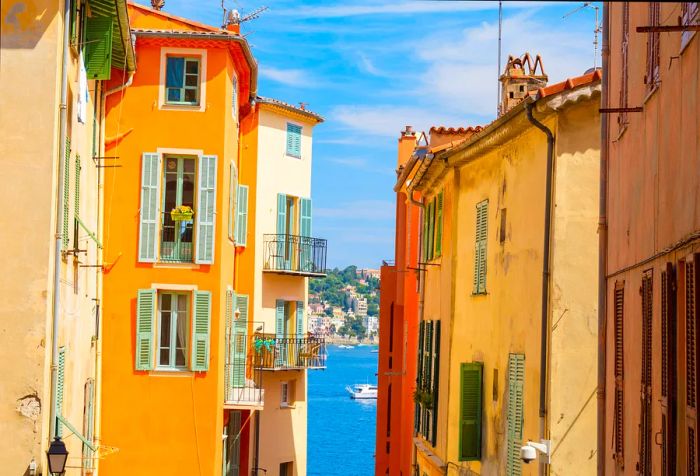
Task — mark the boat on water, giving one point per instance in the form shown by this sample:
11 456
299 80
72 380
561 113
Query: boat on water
374 351
362 391
343 346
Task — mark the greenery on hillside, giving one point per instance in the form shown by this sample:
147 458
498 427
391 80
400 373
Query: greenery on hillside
331 289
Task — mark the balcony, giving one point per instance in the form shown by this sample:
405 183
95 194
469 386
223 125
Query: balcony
293 254
291 352
242 380
175 240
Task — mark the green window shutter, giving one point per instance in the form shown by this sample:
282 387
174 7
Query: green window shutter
300 319
150 198
76 200
281 214
66 195
436 382
242 306
279 319
480 247
470 411
438 233
206 209
145 316
98 47
293 140
419 374
60 388
238 355
429 239
232 199
74 25
514 435
201 329
305 217
228 374
424 244
242 218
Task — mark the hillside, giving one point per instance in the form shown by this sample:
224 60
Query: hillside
337 288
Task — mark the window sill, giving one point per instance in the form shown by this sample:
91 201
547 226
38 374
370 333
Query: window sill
165 264
484 293
171 372
291 156
287 407
181 107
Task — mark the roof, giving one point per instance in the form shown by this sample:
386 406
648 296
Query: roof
569 83
454 130
290 108
123 56
175 18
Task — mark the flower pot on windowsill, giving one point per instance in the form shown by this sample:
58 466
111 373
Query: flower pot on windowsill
183 213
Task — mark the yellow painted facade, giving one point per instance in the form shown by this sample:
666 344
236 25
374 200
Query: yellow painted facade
502 169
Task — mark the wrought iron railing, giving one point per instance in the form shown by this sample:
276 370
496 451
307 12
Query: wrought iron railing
289 352
176 240
294 254
242 379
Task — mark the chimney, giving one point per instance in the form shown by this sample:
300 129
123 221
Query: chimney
521 76
158 4
233 22
408 132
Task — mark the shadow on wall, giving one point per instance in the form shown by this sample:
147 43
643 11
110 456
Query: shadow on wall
25 21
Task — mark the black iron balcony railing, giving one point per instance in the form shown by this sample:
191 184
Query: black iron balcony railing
294 254
289 352
175 240
242 379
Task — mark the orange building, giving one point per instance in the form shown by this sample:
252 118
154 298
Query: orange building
398 330
650 240
172 400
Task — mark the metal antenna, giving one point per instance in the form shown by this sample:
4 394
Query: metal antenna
596 30
254 14
498 75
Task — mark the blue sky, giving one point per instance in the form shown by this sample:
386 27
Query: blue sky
372 67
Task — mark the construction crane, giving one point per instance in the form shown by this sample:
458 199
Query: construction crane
596 30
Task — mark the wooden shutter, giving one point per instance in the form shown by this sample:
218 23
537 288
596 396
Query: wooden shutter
60 388
306 254
424 234
232 200
427 377
74 25
514 436
691 363
66 195
240 328
88 423
480 247
419 374
645 420
438 233
294 140
470 411
436 383
668 371
145 315
618 415
300 319
279 319
228 374
98 47
431 230
305 217
201 329
206 209
624 55
76 200
242 218
281 214
653 60
150 200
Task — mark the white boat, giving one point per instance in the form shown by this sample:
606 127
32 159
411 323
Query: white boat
362 391
342 346
374 351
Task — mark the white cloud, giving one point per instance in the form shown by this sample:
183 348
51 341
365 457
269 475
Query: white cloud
290 77
369 210
368 66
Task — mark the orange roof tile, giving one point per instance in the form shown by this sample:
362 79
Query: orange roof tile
569 83
454 130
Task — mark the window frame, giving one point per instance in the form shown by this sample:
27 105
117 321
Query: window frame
188 53
178 201
185 87
172 348
688 17
292 126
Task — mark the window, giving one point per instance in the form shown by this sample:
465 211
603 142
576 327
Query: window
294 140
173 329
241 232
289 318
165 315
624 51
471 382
618 415
232 199
669 374
502 230
689 13
653 58
480 247
178 192
645 429
514 426
432 228
294 243
286 469
182 80
692 279
428 379
234 97
287 393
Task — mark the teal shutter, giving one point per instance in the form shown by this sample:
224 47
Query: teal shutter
89 423
419 375
279 319
60 388
514 431
242 218
306 255
232 200
98 47
281 231
66 195
438 224
240 327
145 315
294 140
470 411
150 198
480 247
228 374
76 200
200 339
305 217
206 209
300 319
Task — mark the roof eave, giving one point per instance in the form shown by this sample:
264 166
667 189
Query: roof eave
123 19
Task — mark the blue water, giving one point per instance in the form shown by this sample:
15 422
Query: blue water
341 430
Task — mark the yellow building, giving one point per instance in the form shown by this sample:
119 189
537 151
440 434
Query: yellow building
56 60
490 259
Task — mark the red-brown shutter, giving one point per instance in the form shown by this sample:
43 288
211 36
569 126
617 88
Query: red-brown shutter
645 420
668 371
691 360
619 373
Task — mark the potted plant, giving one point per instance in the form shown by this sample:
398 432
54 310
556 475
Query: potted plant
423 398
182 213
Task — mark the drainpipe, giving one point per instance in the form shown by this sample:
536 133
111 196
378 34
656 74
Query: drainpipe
544 336
603 244
63 119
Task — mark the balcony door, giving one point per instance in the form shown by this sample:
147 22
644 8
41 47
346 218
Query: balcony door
179 190
232 446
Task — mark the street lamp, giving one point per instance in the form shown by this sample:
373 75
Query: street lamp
57 455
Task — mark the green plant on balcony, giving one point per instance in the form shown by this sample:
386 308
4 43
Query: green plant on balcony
182 213
261 342
423 398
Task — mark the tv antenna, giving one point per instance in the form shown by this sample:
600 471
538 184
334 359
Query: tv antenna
233 16
596 31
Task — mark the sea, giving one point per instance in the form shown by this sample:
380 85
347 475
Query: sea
341 430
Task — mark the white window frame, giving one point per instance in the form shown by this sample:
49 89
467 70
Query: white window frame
172 365
285 388
201 54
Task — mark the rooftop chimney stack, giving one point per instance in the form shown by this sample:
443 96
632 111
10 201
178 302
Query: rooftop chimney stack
408 132
158 4
521 76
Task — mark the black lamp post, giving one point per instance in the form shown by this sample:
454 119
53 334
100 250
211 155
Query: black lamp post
57 456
